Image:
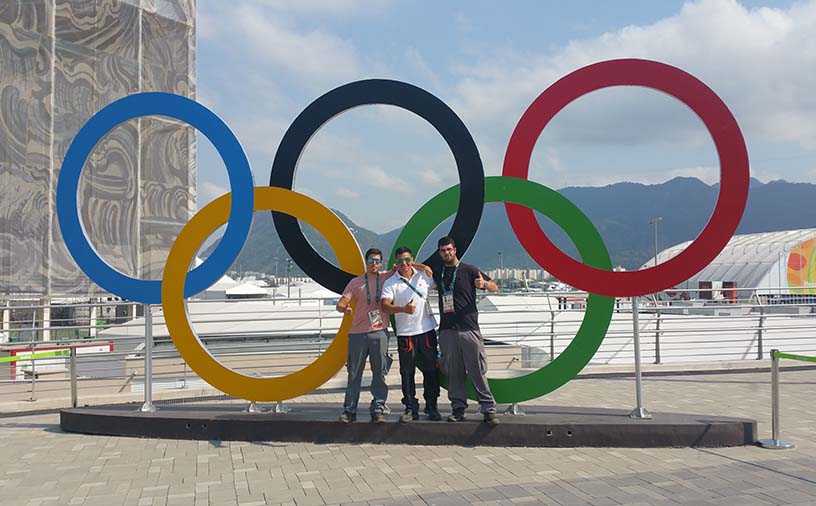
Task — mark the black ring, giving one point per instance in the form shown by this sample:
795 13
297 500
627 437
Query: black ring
388 92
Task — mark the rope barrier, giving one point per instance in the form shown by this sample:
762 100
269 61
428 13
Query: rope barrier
775 443
791 356
34 356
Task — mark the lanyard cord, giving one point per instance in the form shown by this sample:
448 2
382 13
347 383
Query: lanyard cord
376 290
412 287
453 278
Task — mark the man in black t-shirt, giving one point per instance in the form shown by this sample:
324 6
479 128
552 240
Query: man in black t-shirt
460 341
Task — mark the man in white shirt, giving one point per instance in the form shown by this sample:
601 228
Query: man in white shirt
406 295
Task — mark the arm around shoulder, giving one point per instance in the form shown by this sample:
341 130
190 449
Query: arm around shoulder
422 267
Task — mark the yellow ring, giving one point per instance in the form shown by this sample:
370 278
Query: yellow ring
190 347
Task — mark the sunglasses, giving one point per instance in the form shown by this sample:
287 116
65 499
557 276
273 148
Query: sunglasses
404 260
373 260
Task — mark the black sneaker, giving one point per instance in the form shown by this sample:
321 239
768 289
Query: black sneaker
433 415
377 418
347 418
491 419
407 416
456 416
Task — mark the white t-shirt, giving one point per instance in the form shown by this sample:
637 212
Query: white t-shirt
400 294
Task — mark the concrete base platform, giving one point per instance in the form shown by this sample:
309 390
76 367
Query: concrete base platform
317 423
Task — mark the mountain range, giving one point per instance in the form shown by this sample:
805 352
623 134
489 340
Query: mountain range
621 212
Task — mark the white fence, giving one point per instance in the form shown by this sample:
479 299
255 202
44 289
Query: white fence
273 337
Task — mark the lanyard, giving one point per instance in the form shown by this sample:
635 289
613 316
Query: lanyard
412 287
453 278
376 290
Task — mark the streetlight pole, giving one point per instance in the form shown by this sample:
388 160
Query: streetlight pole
654 222
501 268
276 269
288 278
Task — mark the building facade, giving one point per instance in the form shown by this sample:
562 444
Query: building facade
61 61
781 264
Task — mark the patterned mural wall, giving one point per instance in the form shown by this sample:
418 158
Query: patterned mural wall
60 62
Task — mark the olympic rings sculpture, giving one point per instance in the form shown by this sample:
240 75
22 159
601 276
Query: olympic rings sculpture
466 200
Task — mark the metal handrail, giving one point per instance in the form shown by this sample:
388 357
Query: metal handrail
536 323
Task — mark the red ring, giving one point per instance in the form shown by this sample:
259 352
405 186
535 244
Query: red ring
734 175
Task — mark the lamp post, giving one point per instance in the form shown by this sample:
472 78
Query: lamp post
501 268
276 269
288 278
654 222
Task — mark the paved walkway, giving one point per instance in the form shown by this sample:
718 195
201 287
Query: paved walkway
43 466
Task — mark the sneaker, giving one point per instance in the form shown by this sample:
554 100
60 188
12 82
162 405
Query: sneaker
456 416
491 419
377 418
407 416
433 415
347 418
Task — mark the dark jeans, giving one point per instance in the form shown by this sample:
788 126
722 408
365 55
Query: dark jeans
419 351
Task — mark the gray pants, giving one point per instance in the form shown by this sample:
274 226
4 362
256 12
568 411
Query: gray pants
463 356
373 345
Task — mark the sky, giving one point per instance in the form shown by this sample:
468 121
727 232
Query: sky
261 62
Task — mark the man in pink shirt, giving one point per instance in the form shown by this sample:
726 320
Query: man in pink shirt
367 338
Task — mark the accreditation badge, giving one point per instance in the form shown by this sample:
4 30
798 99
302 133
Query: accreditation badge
375 317
447 302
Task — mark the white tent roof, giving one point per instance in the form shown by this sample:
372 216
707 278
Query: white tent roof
746 258
246 289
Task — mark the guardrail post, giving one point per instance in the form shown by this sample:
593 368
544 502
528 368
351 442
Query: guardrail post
639 411
760 332
657 337
148 406
73 375
775 443
319 326
552 336
33 376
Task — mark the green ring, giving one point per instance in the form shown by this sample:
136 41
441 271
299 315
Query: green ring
593 253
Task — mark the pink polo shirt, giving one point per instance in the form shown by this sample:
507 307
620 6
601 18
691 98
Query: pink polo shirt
356 291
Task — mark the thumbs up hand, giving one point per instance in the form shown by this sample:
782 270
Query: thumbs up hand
480 282
409 308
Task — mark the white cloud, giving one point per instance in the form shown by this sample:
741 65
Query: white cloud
324 7
380 178
209 191
314 54
759 61
425 76
346 193
430 177
463 22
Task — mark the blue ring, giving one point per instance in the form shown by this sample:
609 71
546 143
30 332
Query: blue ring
238 170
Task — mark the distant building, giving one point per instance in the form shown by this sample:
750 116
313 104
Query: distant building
518 274
773 265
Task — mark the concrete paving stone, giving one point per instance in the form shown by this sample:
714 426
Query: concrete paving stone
444 500
602 501
512 491
685 476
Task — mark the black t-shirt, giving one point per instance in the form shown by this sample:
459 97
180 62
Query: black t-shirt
465 315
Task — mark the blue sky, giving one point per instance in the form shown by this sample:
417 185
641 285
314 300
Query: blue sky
260 62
